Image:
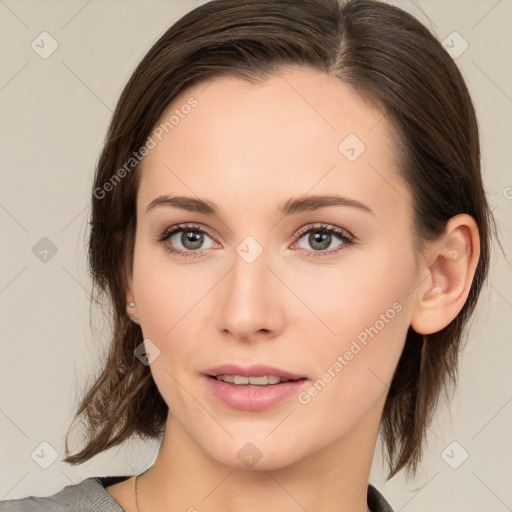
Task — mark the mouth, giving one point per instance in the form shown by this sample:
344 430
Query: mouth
252 388
242 380
256 375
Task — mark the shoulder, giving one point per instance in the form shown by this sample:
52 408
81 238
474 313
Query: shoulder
376 501
89 495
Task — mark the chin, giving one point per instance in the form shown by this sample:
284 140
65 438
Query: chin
257 455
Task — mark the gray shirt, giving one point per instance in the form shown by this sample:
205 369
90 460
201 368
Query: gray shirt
90 495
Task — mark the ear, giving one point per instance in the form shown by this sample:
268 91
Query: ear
449 264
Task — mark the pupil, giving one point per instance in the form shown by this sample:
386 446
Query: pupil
192 240
324 239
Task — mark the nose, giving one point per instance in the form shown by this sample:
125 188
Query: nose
251 299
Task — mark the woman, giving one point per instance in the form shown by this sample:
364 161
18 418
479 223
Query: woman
289 220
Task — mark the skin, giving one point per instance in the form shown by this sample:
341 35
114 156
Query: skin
248 148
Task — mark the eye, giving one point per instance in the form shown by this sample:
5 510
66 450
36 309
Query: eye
190 236
321 237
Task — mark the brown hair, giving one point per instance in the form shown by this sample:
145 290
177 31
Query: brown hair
388 57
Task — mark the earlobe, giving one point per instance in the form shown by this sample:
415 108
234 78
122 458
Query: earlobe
453 260
130 300
133 315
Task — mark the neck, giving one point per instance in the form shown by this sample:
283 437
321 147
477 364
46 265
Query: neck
333 478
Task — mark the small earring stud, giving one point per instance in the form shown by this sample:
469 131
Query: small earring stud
132 304
134 317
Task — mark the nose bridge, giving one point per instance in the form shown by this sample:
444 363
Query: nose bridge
251 301
250 270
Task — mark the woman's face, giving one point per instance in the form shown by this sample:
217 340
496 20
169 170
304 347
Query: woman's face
266 284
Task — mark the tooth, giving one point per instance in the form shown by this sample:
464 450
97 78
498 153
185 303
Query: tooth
255 381
260 381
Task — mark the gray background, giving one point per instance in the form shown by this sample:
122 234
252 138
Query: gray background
55 113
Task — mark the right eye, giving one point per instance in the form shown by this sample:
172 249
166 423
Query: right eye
190 236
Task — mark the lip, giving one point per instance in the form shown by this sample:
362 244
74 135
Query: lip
257 370
252 398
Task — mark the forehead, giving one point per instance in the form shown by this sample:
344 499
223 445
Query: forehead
295 132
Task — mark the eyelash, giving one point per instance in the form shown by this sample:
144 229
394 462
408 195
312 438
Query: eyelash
343 235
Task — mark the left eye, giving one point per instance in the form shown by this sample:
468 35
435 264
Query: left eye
191 238
321 237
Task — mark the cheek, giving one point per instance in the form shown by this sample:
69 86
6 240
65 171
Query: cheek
368 294
168 305
353 371
367 313
164 292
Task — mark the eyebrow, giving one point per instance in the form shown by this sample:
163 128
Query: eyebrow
292 206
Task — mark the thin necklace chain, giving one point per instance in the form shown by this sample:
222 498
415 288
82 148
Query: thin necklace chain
136 493
137 489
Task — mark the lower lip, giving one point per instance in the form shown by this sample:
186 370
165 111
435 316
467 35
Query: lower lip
253 398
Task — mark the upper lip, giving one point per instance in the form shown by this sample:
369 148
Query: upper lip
257 370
